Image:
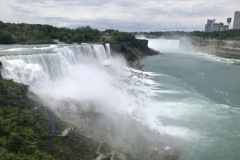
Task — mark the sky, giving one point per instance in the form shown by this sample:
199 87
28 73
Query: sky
124 15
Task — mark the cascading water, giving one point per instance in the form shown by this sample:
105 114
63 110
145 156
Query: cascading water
64 75
36 69
165 45
79 72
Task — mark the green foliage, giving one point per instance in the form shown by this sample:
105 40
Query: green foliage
44 34
21 126
229 34
6 38
128 54
25 33
25 132
11 92
114 36
21 130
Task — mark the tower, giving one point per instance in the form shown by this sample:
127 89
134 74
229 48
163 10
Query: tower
236 23
229 20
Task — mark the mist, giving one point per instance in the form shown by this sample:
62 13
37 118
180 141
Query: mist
97 94
172 44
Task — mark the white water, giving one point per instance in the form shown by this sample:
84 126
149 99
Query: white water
165 45
38 69
83 73
197 101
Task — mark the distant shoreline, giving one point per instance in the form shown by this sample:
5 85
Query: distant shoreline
222 48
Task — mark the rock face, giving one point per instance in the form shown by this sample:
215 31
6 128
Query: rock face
138 43
133 51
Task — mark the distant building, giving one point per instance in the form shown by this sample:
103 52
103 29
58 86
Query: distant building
216 27
236 22
224 28
209 25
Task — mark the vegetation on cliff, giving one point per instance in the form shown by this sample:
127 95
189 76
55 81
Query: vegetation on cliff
23 33
21 126
133 51
25 132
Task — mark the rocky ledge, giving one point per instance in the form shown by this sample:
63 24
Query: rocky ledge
134 51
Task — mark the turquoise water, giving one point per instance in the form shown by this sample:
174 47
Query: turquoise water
198 103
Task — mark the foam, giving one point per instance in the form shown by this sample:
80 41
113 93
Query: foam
15 49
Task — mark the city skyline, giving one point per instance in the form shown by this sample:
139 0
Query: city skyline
124 15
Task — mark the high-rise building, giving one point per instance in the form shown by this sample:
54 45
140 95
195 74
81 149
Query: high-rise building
219 27
209 25
236 23
216 26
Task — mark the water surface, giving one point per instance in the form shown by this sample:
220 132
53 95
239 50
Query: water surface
197 102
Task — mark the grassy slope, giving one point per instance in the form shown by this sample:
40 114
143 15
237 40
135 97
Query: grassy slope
25 132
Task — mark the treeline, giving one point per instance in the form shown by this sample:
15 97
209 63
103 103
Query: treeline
23 33
222 35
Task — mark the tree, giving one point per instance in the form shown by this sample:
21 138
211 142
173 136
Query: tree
6 38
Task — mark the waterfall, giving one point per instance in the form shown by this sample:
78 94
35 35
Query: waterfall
36 69
164 44
73 79
108 50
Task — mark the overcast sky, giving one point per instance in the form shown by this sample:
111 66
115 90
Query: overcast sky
125 15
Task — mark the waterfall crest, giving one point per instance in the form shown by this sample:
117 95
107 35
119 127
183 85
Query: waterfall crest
35 69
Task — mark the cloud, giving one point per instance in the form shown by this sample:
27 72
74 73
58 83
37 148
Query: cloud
134 15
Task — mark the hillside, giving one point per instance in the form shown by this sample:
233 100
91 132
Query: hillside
25 131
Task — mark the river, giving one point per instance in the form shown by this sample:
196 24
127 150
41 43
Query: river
197 102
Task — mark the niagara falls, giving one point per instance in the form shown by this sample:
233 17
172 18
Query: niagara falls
119 80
